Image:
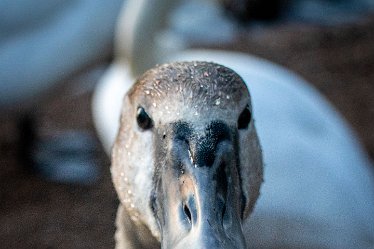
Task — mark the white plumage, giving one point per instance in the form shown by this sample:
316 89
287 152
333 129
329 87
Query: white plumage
318 190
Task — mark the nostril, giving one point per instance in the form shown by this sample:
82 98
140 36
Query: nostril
222 206
187 213
222 188
223 213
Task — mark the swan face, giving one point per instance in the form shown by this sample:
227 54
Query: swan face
187 161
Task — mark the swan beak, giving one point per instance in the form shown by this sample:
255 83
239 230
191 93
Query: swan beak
197 194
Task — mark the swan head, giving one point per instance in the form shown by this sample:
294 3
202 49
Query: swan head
187 162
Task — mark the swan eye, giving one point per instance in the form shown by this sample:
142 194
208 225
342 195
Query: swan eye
244 118
144 121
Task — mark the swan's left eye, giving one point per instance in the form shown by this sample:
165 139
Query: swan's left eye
244 118
144 121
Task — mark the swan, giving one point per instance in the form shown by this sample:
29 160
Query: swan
45 42
318 190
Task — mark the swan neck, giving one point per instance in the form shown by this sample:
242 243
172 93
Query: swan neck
139 23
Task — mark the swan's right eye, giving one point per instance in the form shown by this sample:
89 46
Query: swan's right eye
143 119
244 118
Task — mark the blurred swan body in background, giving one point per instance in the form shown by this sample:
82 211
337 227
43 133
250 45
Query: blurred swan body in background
44 42
318 190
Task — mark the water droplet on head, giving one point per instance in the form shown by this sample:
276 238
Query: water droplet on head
147 92
228 97
154 105
218 101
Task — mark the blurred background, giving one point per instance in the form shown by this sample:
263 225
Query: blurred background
55 186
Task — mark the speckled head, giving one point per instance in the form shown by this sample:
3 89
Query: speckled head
202 89
187 162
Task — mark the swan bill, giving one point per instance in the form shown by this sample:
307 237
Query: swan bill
196 198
